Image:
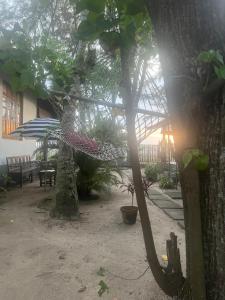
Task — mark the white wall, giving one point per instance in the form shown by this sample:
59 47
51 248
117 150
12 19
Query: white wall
11 147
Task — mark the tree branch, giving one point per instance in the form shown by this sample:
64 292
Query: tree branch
110 104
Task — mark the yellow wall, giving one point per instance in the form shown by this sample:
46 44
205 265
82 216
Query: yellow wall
12 147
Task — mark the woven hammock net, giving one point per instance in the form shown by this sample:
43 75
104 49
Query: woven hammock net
81 141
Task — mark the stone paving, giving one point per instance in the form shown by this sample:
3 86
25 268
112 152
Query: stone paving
170 202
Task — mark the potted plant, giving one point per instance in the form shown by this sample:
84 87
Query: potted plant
129 212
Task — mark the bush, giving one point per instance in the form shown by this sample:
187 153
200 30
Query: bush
5 181
95 174
152 172
166 183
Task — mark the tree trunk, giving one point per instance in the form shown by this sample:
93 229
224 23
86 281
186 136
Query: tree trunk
183 29
67 204
169 282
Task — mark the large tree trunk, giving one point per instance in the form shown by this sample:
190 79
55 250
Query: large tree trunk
67 204
183 29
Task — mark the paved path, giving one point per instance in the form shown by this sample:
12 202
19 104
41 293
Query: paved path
170 202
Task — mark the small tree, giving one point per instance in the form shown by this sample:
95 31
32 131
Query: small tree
119 25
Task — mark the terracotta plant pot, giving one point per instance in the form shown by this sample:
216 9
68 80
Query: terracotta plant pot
129 214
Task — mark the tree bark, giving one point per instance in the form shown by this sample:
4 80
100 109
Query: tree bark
183 29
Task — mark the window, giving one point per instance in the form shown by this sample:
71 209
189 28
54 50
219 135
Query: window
12 111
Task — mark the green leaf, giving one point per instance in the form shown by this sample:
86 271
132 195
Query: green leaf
15 83
91 5
219 57
220 72
26 79
103 288
204 57
211 56
110 40
87 30
202 162
94 26
200 159
101 271
196 152
135 7
187 158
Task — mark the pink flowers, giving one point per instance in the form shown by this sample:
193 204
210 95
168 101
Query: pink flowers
80 141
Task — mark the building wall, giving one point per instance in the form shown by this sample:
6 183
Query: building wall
11 147
43 113
29 107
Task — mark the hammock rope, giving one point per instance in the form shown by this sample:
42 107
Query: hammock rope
83 143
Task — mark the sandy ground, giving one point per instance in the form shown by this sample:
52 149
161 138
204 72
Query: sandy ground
45 259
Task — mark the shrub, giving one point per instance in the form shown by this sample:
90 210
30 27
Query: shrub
95 174
166 183
5 181
152 172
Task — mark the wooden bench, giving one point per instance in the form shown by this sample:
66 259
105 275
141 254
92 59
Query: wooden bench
20 167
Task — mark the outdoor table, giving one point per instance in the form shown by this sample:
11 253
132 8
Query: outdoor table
47 177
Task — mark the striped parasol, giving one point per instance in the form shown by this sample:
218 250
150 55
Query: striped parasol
37 128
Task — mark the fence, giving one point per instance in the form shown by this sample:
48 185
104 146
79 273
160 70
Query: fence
155 153
149 153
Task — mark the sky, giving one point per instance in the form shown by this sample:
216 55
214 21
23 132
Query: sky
154 138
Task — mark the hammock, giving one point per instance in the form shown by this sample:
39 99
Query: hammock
82 143
50 128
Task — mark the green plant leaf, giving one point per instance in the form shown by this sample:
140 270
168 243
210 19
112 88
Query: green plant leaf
187 158
101 271
196 152
211 56
135 7
103 288
91 5
202 162
219 57
220 72
87 30
200 159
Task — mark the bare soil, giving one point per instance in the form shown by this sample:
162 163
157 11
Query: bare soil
46 259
